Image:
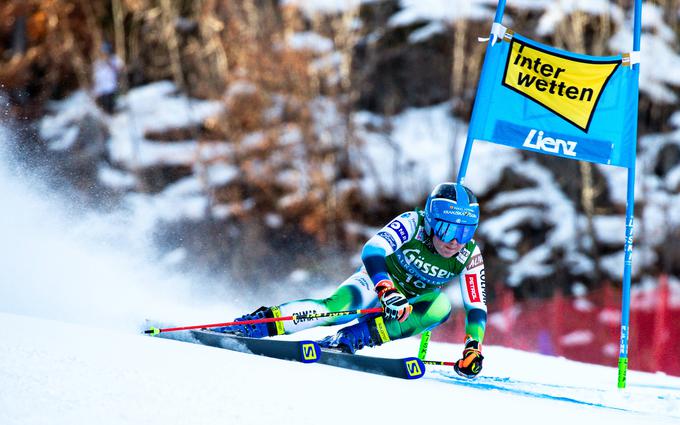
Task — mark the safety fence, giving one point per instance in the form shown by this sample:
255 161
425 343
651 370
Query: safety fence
586 328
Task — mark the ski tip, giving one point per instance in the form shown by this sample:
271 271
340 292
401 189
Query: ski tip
309 351
152 331
414 368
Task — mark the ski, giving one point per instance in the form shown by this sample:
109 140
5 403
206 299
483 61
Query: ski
404 368
305 351
301 351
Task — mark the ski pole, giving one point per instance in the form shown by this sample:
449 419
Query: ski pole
439 363
311 316
424 343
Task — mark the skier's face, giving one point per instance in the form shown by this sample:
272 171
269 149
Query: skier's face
447 250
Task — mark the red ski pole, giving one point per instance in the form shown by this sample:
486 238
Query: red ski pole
156 331
439 363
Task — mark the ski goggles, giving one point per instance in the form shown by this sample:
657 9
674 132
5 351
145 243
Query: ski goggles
447 231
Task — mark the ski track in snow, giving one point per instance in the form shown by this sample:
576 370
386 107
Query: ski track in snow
596 397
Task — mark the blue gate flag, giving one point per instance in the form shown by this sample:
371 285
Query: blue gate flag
535 97
538 98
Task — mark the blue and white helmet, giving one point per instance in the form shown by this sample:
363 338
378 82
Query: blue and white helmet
452 212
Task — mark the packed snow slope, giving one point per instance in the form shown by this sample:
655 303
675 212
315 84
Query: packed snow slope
76 287
63 373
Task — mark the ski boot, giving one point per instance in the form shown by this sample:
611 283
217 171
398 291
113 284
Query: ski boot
256 330
355 337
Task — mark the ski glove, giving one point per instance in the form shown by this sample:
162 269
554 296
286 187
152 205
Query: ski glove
395 304
471 363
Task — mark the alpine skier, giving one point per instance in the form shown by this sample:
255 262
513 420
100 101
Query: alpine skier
405 266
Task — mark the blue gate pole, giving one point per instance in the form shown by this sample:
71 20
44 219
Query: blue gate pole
500 10
628 247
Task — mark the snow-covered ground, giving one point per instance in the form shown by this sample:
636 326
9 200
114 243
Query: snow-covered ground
62 373
74 294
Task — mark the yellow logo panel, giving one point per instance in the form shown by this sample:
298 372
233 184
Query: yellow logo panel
568 87
413 368
309 352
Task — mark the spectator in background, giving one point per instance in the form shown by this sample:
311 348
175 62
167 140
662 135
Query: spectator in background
106 70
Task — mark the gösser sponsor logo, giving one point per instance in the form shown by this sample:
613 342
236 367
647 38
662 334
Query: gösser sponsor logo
472 288
413 256
548 144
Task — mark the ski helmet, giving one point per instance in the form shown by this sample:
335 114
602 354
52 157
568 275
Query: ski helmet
452 212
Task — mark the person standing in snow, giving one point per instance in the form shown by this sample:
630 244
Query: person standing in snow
105 78
405 266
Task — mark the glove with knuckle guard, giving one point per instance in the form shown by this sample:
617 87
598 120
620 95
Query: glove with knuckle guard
471 363
395 304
